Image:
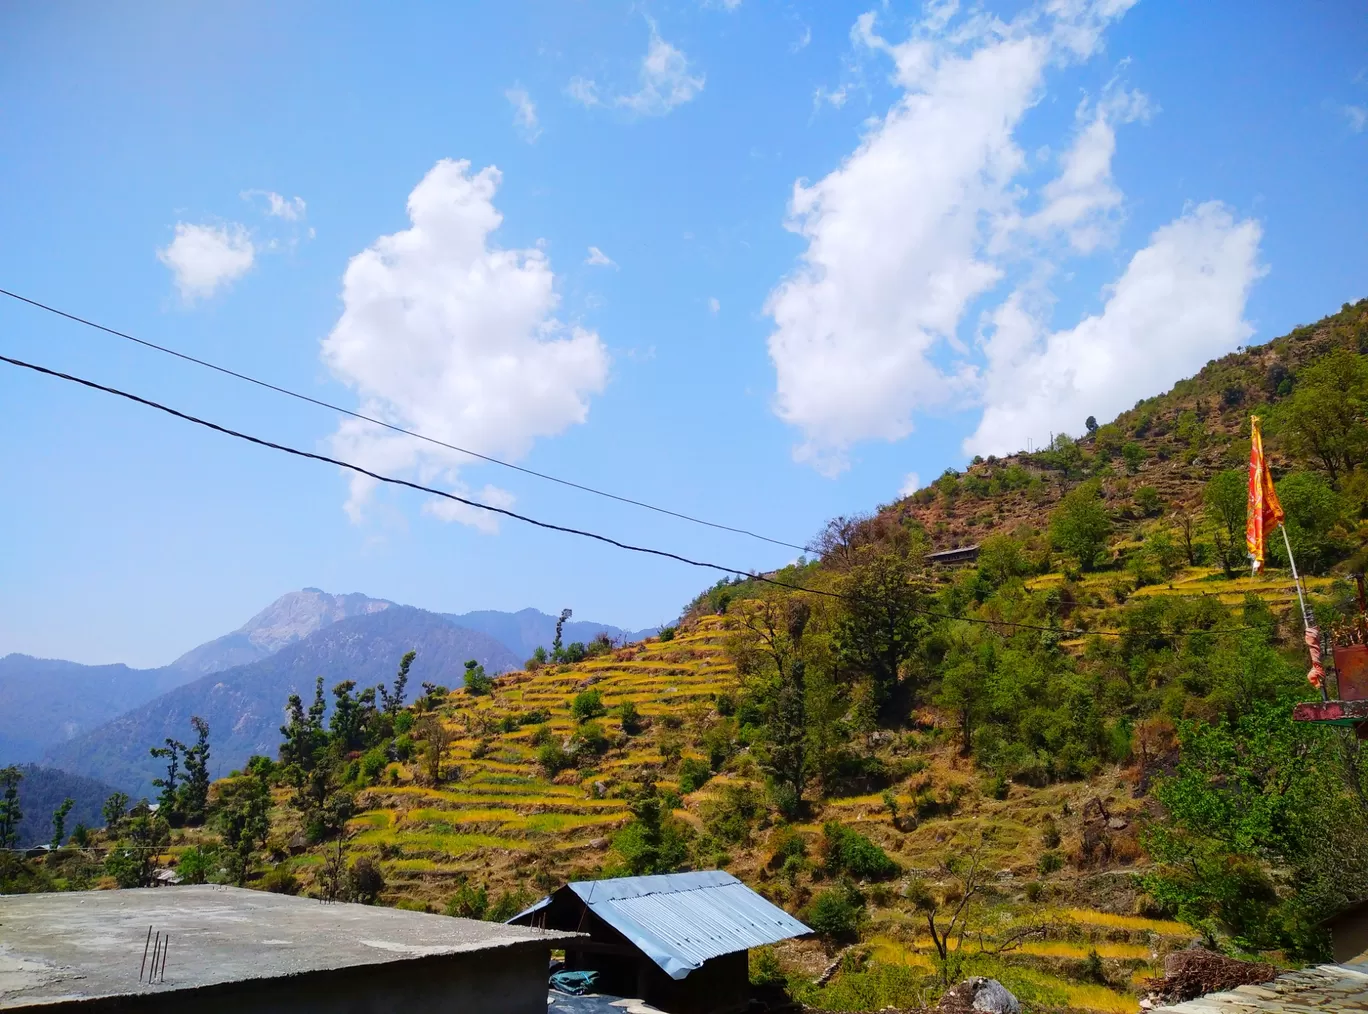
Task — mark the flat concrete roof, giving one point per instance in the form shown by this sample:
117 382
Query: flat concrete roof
86 944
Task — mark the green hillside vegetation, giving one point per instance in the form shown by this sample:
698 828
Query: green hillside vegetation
1052 766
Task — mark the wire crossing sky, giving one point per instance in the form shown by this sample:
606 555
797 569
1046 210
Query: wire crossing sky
753 265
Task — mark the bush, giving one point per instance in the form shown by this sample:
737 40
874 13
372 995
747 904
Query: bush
403 747
541 735
1050 862
535 717
468 902
282 881
508 904
365 881
477 682
589 738
836 913
693 775
630 717
731 816
372 764
765 969
553 759
586 705
195 864
667 633
848 851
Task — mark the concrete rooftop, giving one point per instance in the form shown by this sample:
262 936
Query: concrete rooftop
86 944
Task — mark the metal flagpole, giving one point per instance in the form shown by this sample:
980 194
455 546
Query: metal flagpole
1301 600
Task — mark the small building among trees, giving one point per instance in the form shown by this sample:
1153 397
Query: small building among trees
678 941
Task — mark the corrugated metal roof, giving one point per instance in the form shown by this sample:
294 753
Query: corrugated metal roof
680 920
1318 988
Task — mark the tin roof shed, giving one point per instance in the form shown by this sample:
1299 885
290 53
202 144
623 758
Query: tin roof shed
680 920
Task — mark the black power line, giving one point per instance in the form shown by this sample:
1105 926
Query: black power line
393 427
735 571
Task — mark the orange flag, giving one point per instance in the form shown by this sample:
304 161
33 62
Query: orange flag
1265 513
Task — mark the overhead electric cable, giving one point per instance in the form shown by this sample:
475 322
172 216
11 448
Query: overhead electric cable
735 571
393 427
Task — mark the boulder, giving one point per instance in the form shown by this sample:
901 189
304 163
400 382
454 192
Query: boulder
987 996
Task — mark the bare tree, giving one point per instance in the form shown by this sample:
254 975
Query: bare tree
1187 530
437 737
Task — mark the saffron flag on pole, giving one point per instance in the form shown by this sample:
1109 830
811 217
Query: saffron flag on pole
1265 513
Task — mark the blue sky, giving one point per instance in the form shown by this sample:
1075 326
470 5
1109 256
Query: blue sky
762 262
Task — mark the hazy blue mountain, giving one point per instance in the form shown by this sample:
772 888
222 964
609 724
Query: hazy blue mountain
526 630
244 706
46 701
42 790
288 619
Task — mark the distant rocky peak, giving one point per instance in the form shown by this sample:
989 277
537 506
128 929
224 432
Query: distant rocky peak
296 615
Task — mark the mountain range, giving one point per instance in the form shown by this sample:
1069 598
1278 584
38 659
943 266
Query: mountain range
99 721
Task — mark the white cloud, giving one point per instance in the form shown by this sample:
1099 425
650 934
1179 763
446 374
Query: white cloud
524 114
204 258
714 306
911 483
291 209
665 82
1082 200
597 258
1179 302
936 208
584 91
836 99
444 332
802 41
1357 117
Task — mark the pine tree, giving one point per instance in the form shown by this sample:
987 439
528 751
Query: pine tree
59 817
195 786
10 814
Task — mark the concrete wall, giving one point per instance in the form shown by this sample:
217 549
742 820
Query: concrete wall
507 980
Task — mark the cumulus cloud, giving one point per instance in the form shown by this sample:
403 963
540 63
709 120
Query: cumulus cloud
665 82
524 114
444 332
597 258
714 304
911 483
206 258
291 209
936 212
1179 302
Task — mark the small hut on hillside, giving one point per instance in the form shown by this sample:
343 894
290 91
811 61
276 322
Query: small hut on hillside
678 941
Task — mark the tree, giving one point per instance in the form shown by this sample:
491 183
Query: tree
143 834
59 817
557 647
477 683
1081 525
962 693
586 705
1091 424
437 737
1326 411
1313 512
194 800
243 819
1225 498
168 801
114 810
881 626
652 842
304 742
1186 520
394 703
10 814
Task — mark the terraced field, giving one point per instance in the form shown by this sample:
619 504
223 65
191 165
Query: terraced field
499 822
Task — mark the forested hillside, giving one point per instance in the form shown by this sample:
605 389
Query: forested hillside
1053 765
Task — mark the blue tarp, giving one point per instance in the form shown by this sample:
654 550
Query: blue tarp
574 983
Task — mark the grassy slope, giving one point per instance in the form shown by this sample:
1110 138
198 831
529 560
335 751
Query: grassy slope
505 826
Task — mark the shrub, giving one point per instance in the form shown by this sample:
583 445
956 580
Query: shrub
586 705
1034 890
535 717
194 865
765 969
282 881
508 904
667 633
726 705
365 881
693 775
541 735
631 718
589 738
836 913
848 851
553 758
1050 862
730 817
468 902
372 764
477 682
403 747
